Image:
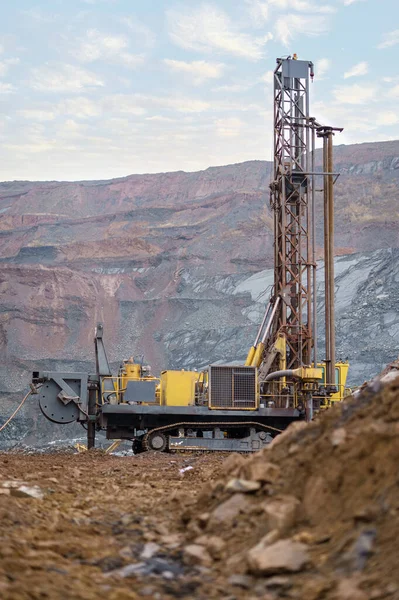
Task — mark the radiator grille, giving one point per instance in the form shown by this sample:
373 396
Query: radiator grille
232 387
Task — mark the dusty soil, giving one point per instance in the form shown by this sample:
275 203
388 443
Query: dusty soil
98 514
314 516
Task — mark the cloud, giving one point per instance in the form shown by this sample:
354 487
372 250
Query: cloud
348 2
394 92
7 88
6 64
267 78
390 39
37 115
259 12
63 78
160 119
290 26
207 28
301 6
354 94
228 127
35 15
80 108
142 33
233 88
359 69
388 117
180 103
321 67
112 48
198 71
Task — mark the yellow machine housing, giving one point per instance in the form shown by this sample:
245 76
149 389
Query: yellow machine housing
178 388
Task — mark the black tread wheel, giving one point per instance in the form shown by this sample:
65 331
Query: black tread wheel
157 441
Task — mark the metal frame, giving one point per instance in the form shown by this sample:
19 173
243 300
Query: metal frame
290 192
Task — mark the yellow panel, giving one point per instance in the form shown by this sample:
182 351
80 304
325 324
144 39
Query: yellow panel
178 388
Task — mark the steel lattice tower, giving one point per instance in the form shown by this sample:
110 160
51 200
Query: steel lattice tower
290 201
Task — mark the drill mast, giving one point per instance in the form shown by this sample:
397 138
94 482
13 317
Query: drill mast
291 202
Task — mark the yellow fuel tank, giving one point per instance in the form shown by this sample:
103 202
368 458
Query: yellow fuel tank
178 388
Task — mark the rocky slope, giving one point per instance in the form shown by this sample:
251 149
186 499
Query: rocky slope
177 266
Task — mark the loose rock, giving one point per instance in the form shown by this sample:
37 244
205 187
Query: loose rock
285 556
242 485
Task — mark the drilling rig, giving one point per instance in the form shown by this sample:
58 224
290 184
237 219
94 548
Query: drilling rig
236 407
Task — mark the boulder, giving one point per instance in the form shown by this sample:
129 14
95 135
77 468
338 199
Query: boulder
281 512
284 556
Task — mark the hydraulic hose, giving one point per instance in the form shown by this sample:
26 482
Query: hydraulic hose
283 373
15 411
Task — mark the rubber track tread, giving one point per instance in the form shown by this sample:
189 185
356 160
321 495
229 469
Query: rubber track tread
212 424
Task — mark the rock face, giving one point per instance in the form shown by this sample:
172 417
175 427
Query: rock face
178 266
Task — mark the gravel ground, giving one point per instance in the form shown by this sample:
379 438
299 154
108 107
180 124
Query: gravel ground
99 514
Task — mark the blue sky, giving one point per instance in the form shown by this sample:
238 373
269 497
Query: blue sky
94 89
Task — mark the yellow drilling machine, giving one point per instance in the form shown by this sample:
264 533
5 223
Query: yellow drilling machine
236 407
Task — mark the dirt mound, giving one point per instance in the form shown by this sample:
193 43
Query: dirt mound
315 515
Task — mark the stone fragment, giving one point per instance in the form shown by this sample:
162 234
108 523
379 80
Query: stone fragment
234 463
242 485
203 519
281 512
259 470
348 589
214 544
356 558
338 437
226 513
25 491
284 556
173 540
194 554
278 582
149 550
242 581
129 571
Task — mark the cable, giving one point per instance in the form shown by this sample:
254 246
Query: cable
15 411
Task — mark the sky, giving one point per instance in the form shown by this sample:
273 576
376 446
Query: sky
95 89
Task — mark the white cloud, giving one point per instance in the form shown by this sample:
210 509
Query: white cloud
301 6
354 94
142 33
112 48
228 127
63 78
388 117
181 104
390 39
6 64
125 104
348 2
321 67
38 115
80 108
394 92
291 26
160 119
233 88
267 78
7 88
36 15
357 70
259 12
207 28
198 71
